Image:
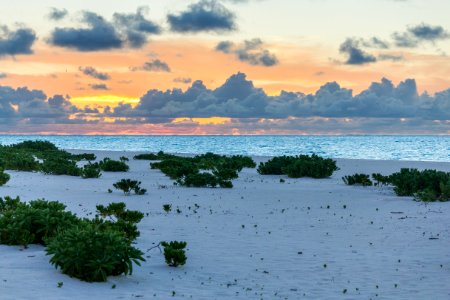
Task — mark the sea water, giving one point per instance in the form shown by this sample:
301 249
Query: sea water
420 148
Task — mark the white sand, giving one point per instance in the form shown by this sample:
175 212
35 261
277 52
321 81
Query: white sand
281 252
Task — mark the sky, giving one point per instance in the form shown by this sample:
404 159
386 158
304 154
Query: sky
225 67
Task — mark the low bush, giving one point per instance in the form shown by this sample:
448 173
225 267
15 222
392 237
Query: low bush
426 185
299 166
60 166
206 170
380 179
4 177
84 156
90 250
128 185
151 156
123 158
32 223
167 208
109 165
174 253
91 170
18 161
90 253
357 179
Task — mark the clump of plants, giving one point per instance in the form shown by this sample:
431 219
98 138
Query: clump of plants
42 156
151 156
109 165
90 250
206 170
4 177
91 170
32 223
380 179
174 253
426 185
128 185
357 179
299 166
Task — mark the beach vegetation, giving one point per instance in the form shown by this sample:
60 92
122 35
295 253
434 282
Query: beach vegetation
358 179
206 170
128 185
91 170
4 177
167 208
110 165
299 166
174 253
152 156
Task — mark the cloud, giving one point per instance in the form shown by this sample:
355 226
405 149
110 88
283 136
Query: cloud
184 80
136 27
355 55
126 29
92 72
239 98
418 34
250 51
57 14
100 35
391 57
16 42
155 65
99 86
3 75
206 15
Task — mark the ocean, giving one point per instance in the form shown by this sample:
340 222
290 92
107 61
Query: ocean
417 148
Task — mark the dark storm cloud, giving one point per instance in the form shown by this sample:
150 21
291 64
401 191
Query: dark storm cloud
155 65
57 14
239 98
126 29
355 55
15 42
92 72
205 15
250 51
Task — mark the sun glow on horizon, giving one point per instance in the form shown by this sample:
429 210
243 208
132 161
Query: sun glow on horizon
103 100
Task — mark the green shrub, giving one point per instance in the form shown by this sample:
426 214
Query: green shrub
109 165
84 156
60 166
357 179
206 170
123 158
299 166
380 179
92 254
36 146
91 170
128 185
174 253
18 161
426 185
151 156
4 177
32 223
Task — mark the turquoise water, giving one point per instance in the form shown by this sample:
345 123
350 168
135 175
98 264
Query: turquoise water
424 148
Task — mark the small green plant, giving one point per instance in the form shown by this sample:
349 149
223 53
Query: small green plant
123 158
357 179
380 179
174 253
128 185
167 208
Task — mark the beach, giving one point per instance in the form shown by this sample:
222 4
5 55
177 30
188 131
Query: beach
263 239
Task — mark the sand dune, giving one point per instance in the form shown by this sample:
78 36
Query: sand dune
302 239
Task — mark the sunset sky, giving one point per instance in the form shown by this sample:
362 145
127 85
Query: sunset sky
225 67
